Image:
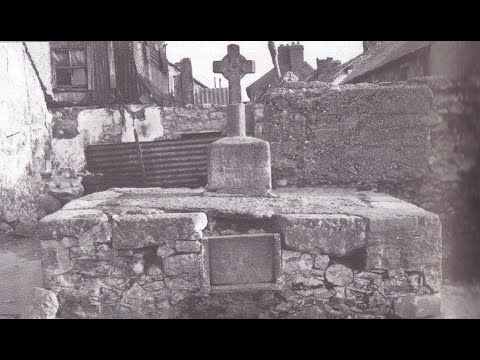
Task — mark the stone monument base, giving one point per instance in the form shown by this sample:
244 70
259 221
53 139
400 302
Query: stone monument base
308 253
240 165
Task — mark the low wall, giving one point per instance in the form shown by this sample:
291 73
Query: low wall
417 141
76 128
310 253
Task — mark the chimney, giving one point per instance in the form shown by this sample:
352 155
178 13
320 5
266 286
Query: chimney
290 57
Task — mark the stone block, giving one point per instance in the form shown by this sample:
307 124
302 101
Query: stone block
408 242
335 234
5 228
339 275
418 306
182 264
240 165
25 228
296 267
55 258
164 251
136 231
321 262
188 246
88 225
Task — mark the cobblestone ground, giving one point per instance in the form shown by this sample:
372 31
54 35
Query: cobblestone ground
20 271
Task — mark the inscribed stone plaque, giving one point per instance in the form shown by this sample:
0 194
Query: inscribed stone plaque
243 259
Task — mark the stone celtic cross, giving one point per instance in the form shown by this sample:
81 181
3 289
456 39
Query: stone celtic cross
234 67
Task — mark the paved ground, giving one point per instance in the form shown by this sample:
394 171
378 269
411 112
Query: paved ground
20 271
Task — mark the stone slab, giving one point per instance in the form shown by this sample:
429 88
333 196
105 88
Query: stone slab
136 231
242 260
327 234
74 224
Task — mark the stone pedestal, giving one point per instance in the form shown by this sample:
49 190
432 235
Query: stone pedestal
240 165
238 126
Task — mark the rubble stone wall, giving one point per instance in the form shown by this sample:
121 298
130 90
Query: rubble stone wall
140 253
417 141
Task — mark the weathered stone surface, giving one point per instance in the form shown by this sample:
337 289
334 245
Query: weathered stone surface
243 259
138 231
154 271
139 266
42 304
101 233
335 235
25 228
415 307
9 216
297 267
240 165
55 258
182 264
5 228
75 223
433 277
405 241
164 251
339 275
82 252
64 188
69 242
321 262
137 300
48 203
188 246
91 278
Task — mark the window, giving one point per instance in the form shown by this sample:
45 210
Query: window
70 68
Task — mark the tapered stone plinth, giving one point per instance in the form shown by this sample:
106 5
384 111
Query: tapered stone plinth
240 165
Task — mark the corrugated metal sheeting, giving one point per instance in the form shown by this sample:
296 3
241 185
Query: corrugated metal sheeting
168 163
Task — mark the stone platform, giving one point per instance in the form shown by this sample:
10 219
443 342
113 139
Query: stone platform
317 253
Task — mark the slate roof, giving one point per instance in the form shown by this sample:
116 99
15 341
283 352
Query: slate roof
261 85
379 56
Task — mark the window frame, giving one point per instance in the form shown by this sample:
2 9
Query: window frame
70 47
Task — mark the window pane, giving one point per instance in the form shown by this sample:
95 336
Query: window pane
62 58
79 77
77 57
64 77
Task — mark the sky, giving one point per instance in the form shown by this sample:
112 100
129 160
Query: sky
203 53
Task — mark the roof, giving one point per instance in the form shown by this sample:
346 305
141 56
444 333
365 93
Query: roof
379 56
194 80
261 85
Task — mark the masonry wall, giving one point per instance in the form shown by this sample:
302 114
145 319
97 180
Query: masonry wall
76 128
24 133
40 53
417 141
